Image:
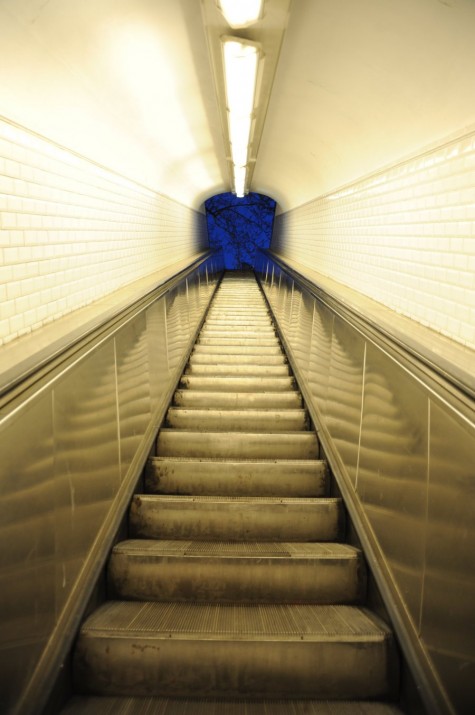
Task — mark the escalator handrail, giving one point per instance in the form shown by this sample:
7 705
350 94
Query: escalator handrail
23 375
453 379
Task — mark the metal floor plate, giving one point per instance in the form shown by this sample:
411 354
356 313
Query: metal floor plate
178 706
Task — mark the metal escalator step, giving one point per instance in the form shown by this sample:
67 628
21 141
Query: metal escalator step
261 312
230 572
218 518
243 383
236 369
237 420
257 318
215 477
251 332
217 359
240 312
96 705
238 350
238 445
238 400
261 341
129 648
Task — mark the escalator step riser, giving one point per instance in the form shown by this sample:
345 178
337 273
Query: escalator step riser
237 384
230 369
200 574
217 359
230 349
238 445
237 420
255 342
212 519
238 400
233 478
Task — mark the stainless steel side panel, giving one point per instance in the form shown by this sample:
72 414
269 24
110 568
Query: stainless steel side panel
318 374
87 460
392 474
345 392
28 541
133 387
67 449
157 351
448 612
177 325
302 325
408 459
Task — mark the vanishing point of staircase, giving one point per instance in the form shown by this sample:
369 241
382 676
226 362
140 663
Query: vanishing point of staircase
235 593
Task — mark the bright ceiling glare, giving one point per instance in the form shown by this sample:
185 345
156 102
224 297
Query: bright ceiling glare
239 173
241 13
241 59
241 62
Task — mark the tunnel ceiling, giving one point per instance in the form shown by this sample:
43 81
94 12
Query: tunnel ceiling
129 83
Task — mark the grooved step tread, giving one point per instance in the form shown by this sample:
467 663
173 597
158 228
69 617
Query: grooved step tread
271 501
96 705
237 550
239 621
229 462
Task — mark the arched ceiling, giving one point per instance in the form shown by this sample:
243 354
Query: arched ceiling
129 83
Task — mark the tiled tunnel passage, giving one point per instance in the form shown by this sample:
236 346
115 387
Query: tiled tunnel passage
118 121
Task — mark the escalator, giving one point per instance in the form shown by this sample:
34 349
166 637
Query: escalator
235 592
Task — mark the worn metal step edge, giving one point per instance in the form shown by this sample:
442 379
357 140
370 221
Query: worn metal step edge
217 357
252 349
236 400
181 475
269 445
219 361
224 518
236 369
237 420
230 572
234 649
239 340
97 705
242 383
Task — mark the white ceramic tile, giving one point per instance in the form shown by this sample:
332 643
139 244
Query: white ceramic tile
84 231
390 234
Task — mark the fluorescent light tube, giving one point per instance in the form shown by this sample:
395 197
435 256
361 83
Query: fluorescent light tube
241 62
239 181
240 73
241 13
239 132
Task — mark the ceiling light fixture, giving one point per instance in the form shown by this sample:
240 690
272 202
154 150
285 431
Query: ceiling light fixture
241 63
241 13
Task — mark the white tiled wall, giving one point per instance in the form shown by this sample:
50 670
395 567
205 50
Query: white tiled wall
72 232
405 237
